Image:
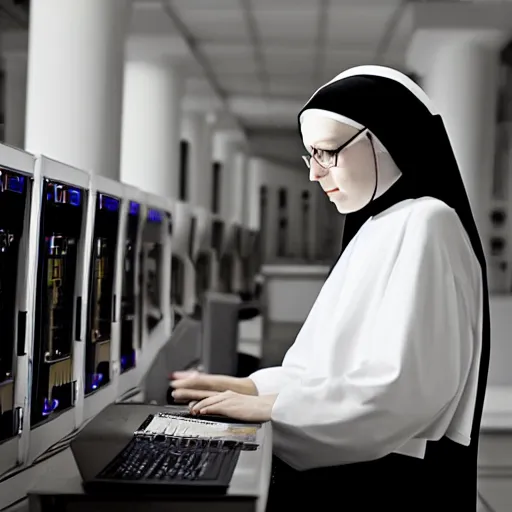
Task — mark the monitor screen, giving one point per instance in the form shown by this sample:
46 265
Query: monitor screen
152 238
101 292
62 212
128 300
13 200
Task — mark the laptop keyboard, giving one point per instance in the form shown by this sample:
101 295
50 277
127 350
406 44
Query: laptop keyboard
173 459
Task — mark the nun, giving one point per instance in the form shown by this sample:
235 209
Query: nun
379 400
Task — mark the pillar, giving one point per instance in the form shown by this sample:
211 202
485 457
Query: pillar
150 159
225 147
253 185
197 130
75 77
460 75
15 97
239 187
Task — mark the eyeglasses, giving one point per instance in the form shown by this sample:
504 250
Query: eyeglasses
328 158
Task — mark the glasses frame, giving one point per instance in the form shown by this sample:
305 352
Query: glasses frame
335 152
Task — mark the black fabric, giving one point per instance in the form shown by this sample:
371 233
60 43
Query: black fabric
446 479
395 482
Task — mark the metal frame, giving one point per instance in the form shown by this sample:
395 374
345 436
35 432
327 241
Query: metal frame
16 160
162 331
130 379
45 435
96 401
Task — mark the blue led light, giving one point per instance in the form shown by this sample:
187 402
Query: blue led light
96 380
109 203
16 184
128 361
134 208
75 196
154 216
62 194
49 407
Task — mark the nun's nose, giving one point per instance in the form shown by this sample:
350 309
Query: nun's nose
316 172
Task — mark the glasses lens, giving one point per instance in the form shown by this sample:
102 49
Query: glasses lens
324 158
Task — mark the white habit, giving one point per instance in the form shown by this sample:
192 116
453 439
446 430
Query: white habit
388 357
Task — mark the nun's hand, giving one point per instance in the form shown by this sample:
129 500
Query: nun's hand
194 385
236 406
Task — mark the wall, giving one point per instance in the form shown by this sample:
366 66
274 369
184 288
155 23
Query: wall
280 146
500 372
274 176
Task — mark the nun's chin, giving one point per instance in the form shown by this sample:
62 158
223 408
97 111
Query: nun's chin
345 206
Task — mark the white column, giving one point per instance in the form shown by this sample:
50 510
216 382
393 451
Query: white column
239 188
197 131
460 75
225 146
153 91
260 174
75 77
15 97
252 192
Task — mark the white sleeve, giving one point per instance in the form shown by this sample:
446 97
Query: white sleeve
270 381
405 382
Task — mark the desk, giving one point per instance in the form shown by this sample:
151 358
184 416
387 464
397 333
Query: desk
107 434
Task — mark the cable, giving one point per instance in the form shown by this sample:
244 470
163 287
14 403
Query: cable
54 449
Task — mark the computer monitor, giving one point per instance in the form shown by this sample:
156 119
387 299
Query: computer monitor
203 231
58 301
182 353
15 201
98 343
159 228
220 333
152 246
182 291
129 306
177 282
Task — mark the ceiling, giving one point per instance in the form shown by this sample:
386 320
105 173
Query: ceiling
256 62
261 59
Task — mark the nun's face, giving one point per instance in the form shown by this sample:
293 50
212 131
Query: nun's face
348 177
